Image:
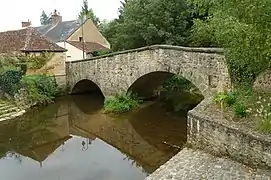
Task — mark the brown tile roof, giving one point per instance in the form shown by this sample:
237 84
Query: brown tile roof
26 40
88 46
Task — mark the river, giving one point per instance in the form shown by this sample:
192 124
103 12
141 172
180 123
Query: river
73 139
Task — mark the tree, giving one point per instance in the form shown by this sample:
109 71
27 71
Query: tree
87 12
121 9
148 22
44 18
243 29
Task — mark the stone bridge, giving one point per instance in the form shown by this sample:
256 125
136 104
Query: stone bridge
117 72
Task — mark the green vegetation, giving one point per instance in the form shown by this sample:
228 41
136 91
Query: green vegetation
148 22
121 103
45 19
177 94
252 105
41 88
177 83
100 53
263 114
24 62
180 94
240 110
11 63
243 30
36 62
87 12
226 99
236 101
9 81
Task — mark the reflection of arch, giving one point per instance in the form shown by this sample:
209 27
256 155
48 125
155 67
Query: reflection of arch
87 96
88 103
149 124
86 86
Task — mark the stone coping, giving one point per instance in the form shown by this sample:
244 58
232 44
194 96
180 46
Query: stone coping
153 47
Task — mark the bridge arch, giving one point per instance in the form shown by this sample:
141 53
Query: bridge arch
86 86
144 84
204 67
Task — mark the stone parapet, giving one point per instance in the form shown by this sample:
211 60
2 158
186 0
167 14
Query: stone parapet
153 47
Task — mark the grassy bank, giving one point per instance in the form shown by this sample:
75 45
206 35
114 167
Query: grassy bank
34 89
248 106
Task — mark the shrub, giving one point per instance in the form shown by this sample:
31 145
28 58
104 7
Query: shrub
177 83
231 98
8 62
221 98
41 88
121 103
240 110
203 34
242 30
264 125
36 62
100 53
226 98
9 80
23 67
263 112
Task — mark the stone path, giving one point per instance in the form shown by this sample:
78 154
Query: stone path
197 165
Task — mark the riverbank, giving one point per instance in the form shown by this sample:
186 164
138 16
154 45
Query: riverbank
234 149
9 111
208 129
22 92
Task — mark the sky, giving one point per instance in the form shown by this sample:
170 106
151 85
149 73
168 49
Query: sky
13 12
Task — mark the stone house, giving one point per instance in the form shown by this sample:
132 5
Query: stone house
79 38
30 42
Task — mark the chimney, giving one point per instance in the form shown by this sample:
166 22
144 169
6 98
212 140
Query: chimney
26 24
56 18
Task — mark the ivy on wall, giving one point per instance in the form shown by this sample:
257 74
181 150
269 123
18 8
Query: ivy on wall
9 81
36 61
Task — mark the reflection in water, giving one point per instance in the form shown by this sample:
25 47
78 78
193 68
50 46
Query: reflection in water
73 140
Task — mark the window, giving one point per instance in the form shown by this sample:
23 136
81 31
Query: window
80 39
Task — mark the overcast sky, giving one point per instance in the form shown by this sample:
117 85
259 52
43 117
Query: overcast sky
12 12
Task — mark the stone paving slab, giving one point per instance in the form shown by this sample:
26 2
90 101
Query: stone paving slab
192 164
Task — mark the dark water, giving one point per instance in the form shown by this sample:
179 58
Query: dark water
74 140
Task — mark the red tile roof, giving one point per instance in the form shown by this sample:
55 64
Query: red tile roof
26 40
88 46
